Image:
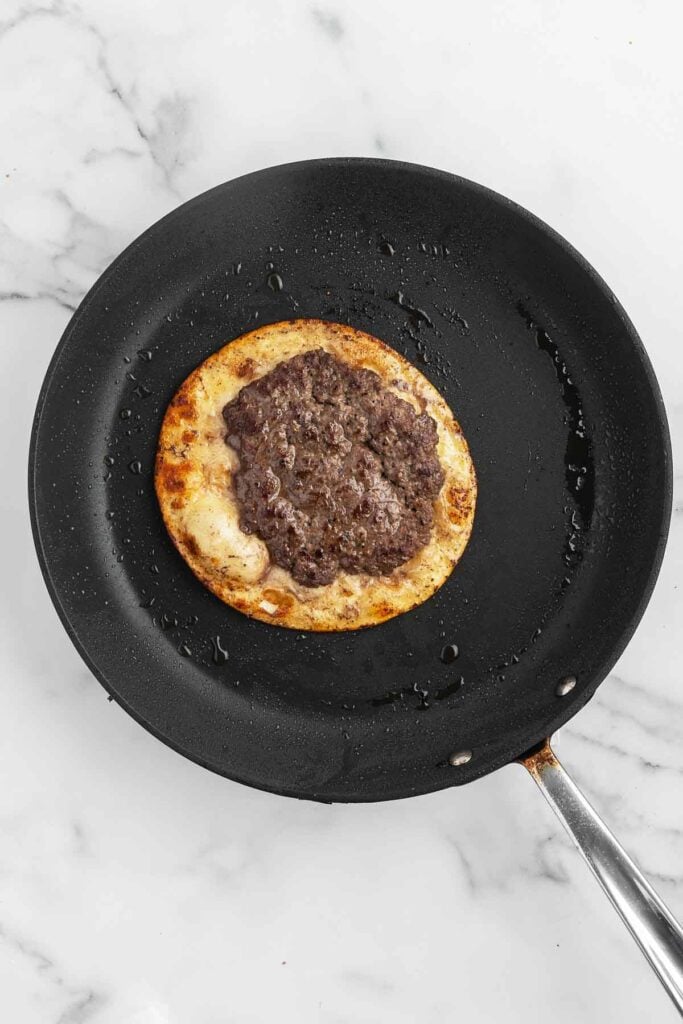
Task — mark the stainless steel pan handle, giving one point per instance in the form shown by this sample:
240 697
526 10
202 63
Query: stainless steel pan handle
647 918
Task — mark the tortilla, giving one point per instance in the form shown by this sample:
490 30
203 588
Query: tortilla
195 466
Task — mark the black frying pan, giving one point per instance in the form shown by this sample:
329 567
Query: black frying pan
557 399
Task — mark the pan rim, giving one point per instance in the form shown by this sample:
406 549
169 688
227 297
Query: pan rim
665 507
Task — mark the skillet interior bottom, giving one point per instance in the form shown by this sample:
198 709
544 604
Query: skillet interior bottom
556 399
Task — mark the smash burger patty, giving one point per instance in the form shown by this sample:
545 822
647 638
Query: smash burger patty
336 472
311 477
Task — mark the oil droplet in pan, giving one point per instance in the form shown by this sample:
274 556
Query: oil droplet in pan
220 655
449 653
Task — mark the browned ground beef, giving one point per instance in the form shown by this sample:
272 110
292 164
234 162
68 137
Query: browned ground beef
336 472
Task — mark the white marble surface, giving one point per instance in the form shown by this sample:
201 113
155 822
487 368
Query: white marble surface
136 888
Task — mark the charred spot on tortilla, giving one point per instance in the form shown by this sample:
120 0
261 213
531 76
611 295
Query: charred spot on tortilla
325 482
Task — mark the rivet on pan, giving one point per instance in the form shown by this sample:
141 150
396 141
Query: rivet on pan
565 686
460 757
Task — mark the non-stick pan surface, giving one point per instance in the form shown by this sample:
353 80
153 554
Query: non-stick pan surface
558 402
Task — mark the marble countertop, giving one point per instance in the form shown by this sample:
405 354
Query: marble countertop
136 888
